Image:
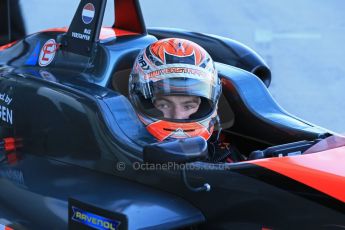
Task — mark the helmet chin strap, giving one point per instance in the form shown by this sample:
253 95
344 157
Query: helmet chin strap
214 143
219 127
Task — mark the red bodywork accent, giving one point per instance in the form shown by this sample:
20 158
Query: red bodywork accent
4 227
128 16
12 157
324 171
106 32
7 45
10 144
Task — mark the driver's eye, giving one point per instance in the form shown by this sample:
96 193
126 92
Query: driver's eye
188 107
162 106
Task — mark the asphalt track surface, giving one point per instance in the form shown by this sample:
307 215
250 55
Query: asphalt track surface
301 40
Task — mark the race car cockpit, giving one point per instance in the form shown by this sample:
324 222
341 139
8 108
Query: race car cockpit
249 115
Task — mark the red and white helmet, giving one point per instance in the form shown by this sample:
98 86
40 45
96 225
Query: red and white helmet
175 67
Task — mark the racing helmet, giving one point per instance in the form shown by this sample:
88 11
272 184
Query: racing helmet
175 67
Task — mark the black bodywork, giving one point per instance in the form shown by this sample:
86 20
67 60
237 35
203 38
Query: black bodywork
12 25
82 143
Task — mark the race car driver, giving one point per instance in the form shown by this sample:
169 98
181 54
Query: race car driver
174 88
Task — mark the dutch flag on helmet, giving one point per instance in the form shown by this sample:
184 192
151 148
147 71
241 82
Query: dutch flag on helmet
88 13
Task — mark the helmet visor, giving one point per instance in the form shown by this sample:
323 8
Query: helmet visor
180 100
184 87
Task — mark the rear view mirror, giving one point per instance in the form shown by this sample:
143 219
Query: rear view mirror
178 151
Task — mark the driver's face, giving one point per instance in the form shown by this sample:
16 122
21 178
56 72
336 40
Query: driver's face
177 107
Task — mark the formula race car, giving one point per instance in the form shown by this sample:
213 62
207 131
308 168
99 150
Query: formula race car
75 155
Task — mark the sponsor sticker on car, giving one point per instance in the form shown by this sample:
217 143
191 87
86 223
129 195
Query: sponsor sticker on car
47 53
86 216
6 113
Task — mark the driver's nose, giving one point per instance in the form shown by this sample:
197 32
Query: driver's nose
178 113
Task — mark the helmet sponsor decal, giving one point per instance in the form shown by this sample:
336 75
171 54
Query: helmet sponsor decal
47 53
143 63
174 71
88 13
184 70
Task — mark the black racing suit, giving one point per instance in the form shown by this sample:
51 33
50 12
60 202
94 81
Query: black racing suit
221 150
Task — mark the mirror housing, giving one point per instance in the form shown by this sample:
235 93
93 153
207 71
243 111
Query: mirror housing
178 151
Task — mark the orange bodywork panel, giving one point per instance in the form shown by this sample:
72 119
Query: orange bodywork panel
323 171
